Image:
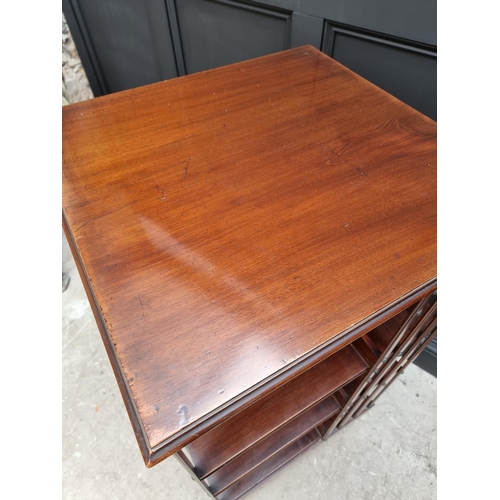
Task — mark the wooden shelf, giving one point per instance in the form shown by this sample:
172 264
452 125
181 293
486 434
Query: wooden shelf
274 443
233 437
344 394
384 333
270 466
367 349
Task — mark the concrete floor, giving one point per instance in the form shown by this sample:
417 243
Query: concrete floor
389 453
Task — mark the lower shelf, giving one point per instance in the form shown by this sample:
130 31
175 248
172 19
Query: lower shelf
268 467
384 333
274 444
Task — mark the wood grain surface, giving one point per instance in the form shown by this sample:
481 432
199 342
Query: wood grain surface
231 222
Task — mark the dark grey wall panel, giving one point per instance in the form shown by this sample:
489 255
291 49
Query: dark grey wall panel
131 39
306 30
411 19
407 72
218 32
427 360
128 43
84 47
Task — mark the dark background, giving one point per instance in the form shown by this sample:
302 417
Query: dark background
128 43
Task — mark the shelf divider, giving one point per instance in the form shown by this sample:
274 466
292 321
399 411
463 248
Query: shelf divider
384 333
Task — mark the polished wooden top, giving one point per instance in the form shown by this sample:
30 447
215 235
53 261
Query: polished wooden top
231 222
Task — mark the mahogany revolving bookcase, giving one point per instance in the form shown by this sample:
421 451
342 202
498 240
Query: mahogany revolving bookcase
258 245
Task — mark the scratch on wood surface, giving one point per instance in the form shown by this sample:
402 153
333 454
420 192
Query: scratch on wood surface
143 301
104 215
274 106
358 170
186 166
